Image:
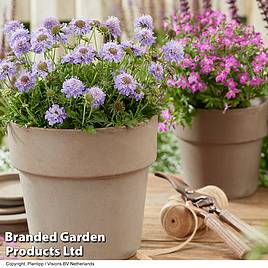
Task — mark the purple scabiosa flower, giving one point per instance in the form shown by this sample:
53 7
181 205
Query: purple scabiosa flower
25 82
138 94
82 54
42 68
50 22
96 95
41 40
130 46
157 70
73 87
20 46
144 22
11 26
56 29
7 69
145 37
173 52
19 41
55 115
111 52
80 26
125 84
18 34
113 25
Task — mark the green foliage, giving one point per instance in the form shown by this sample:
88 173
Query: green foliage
264 164
259 251
168 156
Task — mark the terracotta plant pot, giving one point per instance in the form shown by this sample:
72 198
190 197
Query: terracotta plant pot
77 182
223 149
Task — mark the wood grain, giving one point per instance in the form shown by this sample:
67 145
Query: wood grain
253 209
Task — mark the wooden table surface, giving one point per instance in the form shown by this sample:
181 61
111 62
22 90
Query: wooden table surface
254 210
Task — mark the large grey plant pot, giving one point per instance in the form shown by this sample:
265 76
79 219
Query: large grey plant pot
223 149
77 182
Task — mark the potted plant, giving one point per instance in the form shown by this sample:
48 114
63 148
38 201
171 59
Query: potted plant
82 127
217 91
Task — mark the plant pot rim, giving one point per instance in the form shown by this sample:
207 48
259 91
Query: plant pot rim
263 103
76 130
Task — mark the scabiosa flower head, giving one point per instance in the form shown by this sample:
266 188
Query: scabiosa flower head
111 52
55 115
20 46
138 94
80 26
96 95
129 46
42 68
125 84
18 34
82 54
50 22
173 52
157 70
41 40
11 26
26 81
145 37
7 69
144 22
73 87
113 25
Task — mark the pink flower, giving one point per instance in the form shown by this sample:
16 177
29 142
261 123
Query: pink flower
221 77
230 94
231 84
182 82
166 115
257 68
255 81
231 61
243 78
193 77
262 58
207 65
162 127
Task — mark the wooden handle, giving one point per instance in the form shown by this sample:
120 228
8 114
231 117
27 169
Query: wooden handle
232 240
242 226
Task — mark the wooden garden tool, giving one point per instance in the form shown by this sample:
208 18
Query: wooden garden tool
214 216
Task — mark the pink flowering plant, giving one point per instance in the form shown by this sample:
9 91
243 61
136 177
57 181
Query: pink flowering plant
225 64
60 76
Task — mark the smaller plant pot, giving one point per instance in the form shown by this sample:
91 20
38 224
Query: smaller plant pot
223 149
77 182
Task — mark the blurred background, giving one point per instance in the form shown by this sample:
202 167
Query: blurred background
32 12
